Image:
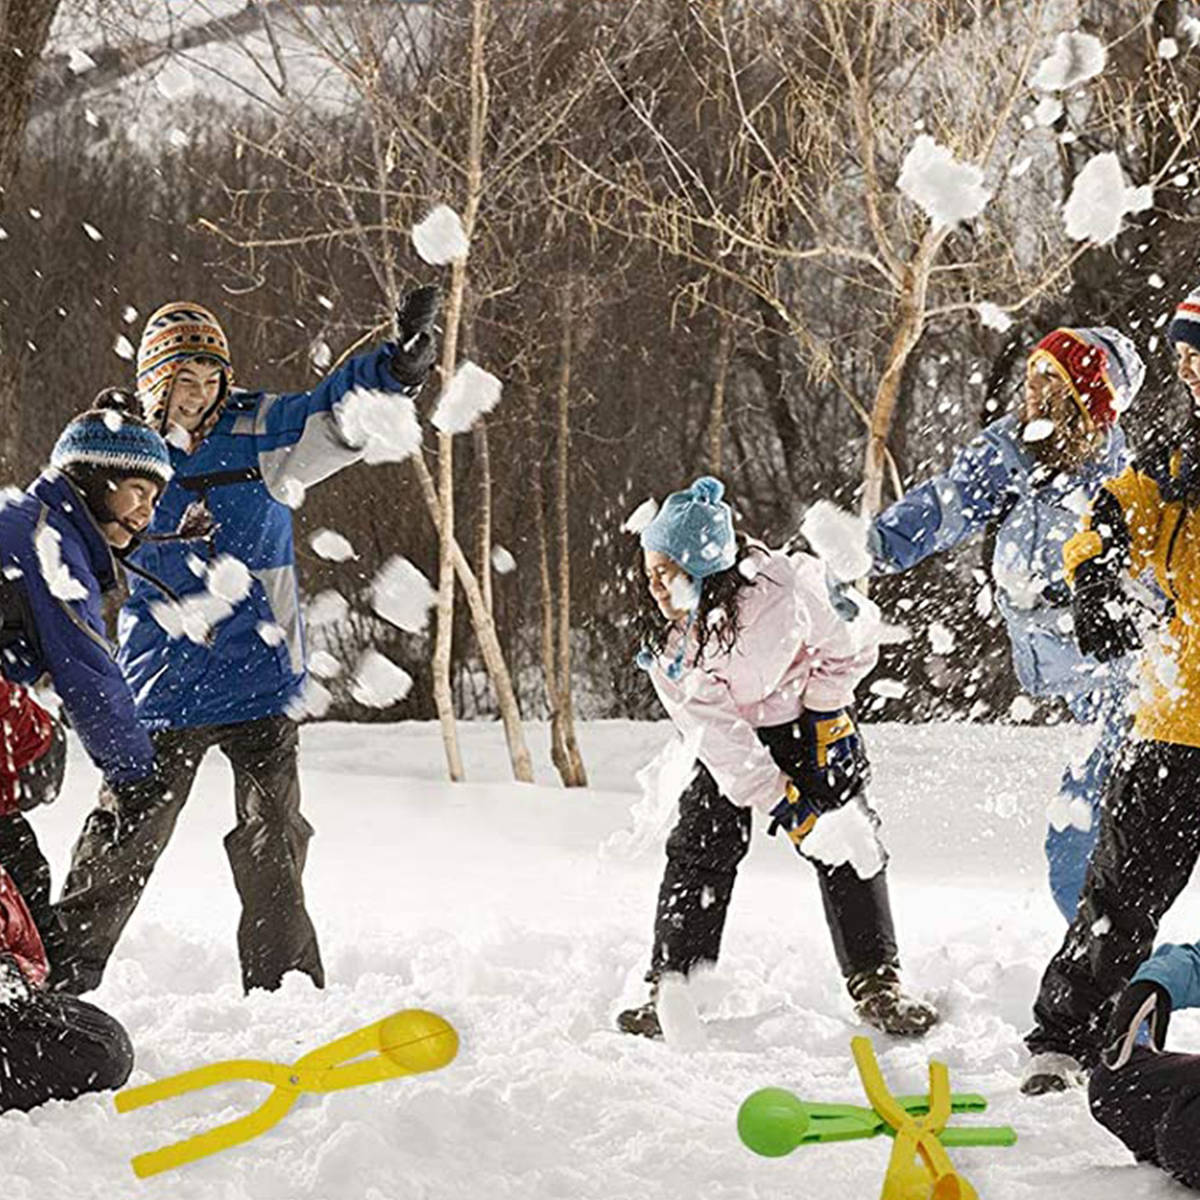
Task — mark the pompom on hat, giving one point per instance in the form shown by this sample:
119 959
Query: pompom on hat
1100 364
694 528
175 334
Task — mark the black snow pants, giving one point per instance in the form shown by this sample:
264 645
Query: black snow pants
704 849
55 1047
1153 1105
116 853
1149 842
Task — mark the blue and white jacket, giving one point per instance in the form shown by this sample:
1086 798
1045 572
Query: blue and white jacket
260 456
995 477
57 565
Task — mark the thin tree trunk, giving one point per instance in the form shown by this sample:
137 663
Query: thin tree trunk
563 721
24 28
484 464
485 632
716 414
546 592
447 546
910 325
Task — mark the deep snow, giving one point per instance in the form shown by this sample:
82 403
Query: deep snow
523 915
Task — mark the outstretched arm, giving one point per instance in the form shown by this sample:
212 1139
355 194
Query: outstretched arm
945 510
305 437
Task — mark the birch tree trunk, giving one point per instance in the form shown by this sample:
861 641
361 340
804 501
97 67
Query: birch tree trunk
443 694
571 767
483 457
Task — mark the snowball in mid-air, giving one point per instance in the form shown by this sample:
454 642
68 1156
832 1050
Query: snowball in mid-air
59 580
331 546
439 238
471 393
838 538
320 354
384 424
1038 430
993 316
123 348
948 191
379 682
402 595
229 579
1099 200
79 61
327 608
503 562
641 516
1076 58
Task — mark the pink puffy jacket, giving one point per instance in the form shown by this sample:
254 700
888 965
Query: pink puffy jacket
793 652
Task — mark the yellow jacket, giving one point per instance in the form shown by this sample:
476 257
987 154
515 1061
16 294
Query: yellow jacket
1164 535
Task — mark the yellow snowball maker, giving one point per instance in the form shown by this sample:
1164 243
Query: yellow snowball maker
406 1043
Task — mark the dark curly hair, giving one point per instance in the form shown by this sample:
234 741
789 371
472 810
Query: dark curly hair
718 616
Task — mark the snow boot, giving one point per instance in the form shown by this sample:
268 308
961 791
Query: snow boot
881 1001
1051 1072
643 1020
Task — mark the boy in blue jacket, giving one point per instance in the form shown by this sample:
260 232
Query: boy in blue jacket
1034 473
225 666
1149 1098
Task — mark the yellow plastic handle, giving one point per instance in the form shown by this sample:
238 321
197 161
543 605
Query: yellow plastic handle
406 1043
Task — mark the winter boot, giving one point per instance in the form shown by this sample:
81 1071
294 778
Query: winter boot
881 1001
643 1020
1051 1072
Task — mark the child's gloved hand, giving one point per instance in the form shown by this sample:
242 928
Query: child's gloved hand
1141 1003
794 815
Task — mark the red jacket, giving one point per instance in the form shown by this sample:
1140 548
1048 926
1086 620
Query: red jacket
18 934
26 731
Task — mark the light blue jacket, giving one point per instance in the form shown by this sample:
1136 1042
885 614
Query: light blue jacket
994 477
1177 968
261 455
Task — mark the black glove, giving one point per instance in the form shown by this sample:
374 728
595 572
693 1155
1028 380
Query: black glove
416 352
1140 1002
1103 628
134 802
41 781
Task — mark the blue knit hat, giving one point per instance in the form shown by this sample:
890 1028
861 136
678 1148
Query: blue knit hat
695 529
109 437
1185 325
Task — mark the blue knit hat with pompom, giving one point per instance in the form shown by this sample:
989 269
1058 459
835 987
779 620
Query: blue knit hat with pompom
694 528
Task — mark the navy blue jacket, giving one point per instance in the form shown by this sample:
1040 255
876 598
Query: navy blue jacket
252 469
57 565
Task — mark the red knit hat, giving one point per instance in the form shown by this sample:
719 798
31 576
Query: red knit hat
1084 366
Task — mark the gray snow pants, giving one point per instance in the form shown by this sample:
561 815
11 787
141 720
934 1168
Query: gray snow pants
117 851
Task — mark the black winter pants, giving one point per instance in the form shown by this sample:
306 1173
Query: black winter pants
1153 1105
704 849
55 1047
117 851
1148 844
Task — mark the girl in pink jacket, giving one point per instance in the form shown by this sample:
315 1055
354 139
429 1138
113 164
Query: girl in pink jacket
757 668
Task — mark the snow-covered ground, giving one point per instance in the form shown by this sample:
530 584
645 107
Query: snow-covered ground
523 915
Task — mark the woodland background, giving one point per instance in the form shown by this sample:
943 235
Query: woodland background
688 254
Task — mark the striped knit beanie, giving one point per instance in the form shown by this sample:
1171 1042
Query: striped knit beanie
1185 325
110 438
1101 365
176 333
